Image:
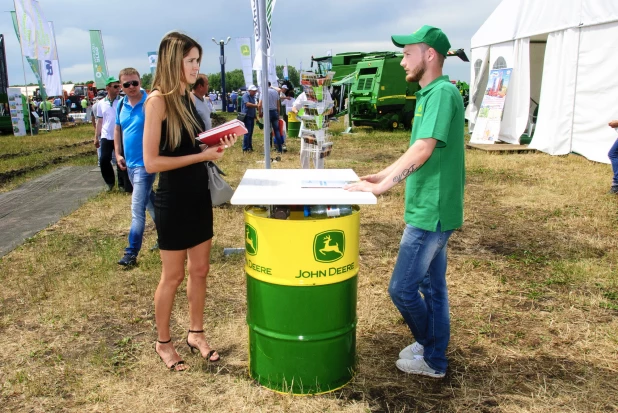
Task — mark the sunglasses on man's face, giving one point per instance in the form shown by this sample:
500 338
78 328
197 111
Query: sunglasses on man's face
126 85
115 86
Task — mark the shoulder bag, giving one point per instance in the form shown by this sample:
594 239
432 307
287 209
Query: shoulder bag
220 191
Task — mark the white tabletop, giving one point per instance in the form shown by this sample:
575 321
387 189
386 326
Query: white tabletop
288 187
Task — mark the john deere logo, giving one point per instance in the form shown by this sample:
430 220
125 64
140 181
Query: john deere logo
251 240
245 50
420 108
329 246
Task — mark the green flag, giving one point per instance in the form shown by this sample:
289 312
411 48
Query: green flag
98 58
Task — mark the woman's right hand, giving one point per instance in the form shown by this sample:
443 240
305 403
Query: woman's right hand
212 153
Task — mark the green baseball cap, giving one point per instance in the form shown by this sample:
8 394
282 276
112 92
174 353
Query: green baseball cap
432 36
111 79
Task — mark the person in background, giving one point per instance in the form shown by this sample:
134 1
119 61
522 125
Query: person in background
201 101
613 158
274 108
248 107
233 99
183 206
57 101
104 135
433 168
128 145
84 104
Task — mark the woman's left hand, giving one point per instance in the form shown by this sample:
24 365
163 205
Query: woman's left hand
228 141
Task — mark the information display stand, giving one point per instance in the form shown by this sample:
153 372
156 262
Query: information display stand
302 277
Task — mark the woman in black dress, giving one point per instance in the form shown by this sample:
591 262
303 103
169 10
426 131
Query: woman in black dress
183 209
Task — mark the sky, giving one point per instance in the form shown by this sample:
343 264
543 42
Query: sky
132 28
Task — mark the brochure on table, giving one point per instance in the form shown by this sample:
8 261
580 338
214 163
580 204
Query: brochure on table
299 187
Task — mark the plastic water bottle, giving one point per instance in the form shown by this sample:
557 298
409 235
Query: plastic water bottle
327 211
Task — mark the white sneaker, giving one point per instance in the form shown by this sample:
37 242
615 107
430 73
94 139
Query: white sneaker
418 366
413 350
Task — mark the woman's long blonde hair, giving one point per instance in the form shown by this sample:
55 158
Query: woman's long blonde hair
173 49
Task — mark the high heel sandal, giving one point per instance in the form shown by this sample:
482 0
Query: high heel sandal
173 366
210 353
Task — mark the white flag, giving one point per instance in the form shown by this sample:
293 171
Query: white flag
46 47
270 7
244 48
27 27
50 73
285 70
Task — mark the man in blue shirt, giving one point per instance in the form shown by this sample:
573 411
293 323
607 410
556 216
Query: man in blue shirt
129 135
248 108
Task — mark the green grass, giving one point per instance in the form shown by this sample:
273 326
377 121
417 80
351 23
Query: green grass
533 284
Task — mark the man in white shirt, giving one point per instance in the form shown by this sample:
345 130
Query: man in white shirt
200 100
104 135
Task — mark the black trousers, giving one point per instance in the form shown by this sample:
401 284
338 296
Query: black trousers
107 170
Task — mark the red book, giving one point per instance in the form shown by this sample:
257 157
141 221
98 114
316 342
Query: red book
213 136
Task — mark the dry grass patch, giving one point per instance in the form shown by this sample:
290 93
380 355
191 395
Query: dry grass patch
532 278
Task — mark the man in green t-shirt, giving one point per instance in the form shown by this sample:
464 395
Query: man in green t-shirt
434 170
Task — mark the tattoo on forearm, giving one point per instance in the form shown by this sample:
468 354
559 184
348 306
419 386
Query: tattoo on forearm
406 172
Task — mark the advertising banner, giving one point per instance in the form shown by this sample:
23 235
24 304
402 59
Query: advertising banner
50 72
487 127
16 108
26 27
257 62
34 63
98 58
45 44
244 48
152 60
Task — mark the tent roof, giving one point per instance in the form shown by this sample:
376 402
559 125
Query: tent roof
516 19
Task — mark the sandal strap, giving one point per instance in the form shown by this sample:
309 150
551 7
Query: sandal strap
178 363
196 331
164 342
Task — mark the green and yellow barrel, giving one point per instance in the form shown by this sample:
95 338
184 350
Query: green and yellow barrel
302 277
293 125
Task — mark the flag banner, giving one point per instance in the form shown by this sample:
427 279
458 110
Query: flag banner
152 60
255 12
487 127
50 72
34 64
26 27
98 58
285 70
45 45
259 54
244 48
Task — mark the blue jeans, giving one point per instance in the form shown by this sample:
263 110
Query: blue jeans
613 158
142 199
247 141
274 122
421 268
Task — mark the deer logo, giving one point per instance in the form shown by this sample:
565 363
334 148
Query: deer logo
251 240
329 246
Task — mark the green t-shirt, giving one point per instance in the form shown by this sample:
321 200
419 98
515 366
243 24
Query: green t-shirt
435 192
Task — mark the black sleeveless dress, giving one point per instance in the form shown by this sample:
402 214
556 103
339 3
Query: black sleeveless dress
183 208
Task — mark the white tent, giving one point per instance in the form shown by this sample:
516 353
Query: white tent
564 55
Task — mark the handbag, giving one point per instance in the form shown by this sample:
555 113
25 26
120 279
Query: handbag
241 116
220 191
